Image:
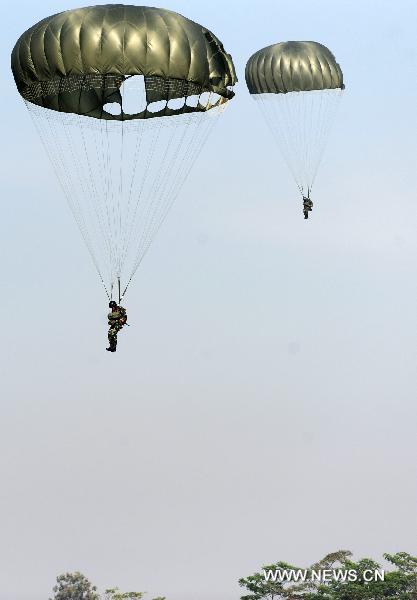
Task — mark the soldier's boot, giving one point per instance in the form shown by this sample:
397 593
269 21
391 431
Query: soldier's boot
112 345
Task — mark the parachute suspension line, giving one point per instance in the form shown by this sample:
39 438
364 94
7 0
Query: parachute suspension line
186 159
197 128
321 118
119 197
140 200
73 191
45 121
96 202
196 144
111 200
105 175
142 196
278 123
157 209
138 145
301 121
81 192
310 133
316 112
107 190
167 166
304 142
73 196
159 184
102 160
295 115
195 147
105 288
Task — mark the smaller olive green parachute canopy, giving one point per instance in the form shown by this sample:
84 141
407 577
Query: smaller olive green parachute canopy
297 86
77 60
293 67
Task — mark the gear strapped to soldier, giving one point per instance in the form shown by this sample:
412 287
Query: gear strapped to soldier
117 318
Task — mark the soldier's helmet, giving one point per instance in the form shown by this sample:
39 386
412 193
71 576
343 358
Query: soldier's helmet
112 304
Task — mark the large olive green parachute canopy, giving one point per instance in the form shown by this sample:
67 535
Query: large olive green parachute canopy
77 60
293 67
122 170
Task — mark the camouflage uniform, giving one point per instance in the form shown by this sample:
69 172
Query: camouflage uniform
307 206
116 318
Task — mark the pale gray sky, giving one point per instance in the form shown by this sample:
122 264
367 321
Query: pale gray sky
262 406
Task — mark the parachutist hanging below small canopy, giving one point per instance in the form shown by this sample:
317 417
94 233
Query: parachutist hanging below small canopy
298 86
307 206
117 319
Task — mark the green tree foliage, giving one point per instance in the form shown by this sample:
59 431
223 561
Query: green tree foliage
399 583
116 594
260 589
74 586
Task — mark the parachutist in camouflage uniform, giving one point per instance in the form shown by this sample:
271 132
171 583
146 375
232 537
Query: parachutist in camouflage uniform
117 318
307 206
